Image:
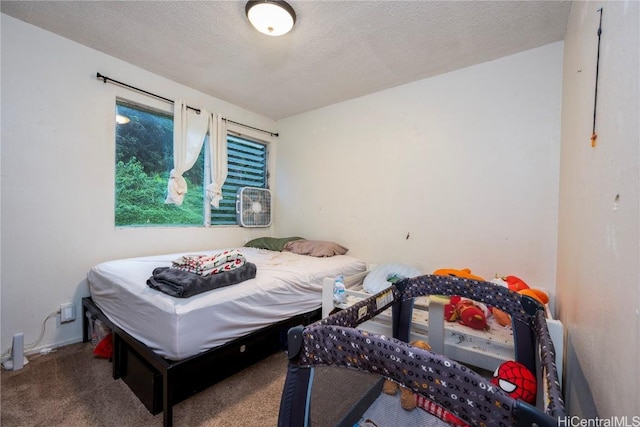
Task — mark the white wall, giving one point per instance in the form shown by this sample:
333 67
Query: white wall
599 218
58 150
465 164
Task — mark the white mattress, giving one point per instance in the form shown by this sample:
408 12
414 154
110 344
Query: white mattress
286 284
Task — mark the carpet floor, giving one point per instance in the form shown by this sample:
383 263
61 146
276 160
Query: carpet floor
71 387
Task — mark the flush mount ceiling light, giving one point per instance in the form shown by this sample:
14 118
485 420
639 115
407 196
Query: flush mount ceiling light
122 120
271 17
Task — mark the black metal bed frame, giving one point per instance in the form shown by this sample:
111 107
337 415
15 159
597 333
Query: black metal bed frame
160 383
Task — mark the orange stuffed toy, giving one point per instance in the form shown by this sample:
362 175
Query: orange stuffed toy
502 317
465 273
536 294
516 284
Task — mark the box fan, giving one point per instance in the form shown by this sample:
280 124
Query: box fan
253 207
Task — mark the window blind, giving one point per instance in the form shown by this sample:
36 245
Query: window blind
247 167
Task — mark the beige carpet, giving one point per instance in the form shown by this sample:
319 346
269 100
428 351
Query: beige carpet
71 387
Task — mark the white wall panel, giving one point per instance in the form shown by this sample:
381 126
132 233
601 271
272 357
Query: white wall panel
466 164
58 151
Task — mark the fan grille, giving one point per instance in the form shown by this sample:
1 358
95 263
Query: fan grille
253 207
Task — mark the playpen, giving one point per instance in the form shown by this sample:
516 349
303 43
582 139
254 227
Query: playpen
454 387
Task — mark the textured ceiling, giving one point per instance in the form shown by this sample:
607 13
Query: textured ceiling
337 50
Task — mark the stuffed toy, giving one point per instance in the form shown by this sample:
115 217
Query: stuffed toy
502 317
516 380
465 273
407 397
516 284
410 400
472 314
467 312
104 349
536 294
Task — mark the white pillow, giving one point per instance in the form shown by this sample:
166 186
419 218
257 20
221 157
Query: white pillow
376 280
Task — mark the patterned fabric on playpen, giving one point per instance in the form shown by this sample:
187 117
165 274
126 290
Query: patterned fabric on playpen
456 388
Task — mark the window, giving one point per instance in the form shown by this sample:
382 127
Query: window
144 158
247 160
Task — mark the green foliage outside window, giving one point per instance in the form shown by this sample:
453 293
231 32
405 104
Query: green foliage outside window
140 199
144 159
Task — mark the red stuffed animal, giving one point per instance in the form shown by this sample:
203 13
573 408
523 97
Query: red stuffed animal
515 283
467 312
516 380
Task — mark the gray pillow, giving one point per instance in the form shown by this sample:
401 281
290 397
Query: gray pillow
317 248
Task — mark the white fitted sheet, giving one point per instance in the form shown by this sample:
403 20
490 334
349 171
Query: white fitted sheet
285 285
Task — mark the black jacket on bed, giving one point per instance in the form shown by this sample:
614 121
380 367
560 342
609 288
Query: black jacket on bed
184 284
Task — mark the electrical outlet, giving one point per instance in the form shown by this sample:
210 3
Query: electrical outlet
67 312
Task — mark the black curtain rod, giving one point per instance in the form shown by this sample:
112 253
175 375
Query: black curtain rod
250 127
106 79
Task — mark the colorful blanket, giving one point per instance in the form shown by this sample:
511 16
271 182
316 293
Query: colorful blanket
210 264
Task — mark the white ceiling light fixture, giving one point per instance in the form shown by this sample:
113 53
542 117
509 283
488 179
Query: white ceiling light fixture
122 120
271 17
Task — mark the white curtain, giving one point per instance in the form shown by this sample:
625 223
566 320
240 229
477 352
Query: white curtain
218 157
189 130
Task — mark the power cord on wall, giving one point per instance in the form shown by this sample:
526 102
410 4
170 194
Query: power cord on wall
34 344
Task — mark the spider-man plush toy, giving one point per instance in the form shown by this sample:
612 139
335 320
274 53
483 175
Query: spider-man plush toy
516 380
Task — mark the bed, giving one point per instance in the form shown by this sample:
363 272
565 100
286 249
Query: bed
455 388
167 349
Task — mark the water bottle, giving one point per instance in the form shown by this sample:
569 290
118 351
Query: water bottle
91 328
338 290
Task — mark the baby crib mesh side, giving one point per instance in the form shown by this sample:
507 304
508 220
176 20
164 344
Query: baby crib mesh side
486 292
553 395
451 385
335 341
